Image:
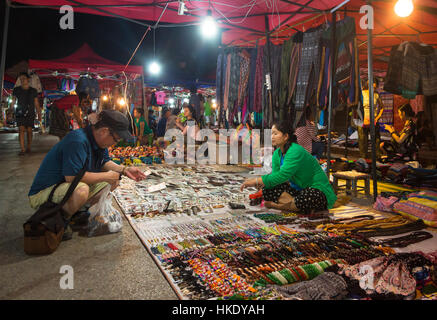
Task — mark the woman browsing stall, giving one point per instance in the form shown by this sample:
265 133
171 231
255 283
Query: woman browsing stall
142 130
296 175
402 144
191 121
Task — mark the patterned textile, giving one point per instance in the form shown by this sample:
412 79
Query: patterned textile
409 147
244 76
285 74
325 76
275 70
422 205
252 74
259 83
219 78
429 76
385 204
276 77
397 172
233 82
306 200
418 104
295 57
346 77
389 276
363 141
227 82
306 135
310 59
412 70
327 286
392 79
311 199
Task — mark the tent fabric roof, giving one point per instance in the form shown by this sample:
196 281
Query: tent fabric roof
243 21
84 59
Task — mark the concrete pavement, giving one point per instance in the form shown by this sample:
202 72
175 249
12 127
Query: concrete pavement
113 266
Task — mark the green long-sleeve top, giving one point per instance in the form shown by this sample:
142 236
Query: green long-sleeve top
301 168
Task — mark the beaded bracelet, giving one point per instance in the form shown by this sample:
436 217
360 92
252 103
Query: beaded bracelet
287 275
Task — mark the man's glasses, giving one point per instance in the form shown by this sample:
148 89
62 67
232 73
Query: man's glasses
117 140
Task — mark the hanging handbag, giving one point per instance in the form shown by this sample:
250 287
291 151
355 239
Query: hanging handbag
44 230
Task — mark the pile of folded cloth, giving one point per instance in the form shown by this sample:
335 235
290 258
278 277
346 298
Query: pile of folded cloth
421 177
421 205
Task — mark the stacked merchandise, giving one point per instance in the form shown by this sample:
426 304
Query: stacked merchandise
421 205
412 70
211 243
420 177
387 115
136 155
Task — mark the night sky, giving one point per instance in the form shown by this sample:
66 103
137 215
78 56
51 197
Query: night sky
35 34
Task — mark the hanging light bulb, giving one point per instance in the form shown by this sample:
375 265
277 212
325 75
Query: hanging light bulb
403 8
171 101
122 102
105 98
209 26
154 68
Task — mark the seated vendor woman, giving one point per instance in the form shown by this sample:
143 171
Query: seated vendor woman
402 144
296 177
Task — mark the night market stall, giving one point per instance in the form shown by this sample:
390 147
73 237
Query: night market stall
212 241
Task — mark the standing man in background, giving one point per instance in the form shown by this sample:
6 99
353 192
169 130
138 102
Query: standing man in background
26 99
364 130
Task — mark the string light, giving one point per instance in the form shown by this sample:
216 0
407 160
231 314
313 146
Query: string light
154 68
122 102
403 8
209 26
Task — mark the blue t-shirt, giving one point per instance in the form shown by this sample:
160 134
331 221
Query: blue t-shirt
68 157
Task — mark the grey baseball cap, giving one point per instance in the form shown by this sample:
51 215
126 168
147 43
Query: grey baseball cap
117 122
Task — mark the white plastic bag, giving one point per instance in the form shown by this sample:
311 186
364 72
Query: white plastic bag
104 218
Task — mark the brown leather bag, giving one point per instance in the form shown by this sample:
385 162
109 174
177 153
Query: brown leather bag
44 230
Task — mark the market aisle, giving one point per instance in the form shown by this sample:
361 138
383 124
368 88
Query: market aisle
107 267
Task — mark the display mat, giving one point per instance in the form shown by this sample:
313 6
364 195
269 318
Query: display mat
206 250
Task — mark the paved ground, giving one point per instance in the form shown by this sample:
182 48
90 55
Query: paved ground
108 267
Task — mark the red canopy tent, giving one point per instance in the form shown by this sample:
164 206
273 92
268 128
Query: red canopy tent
276 20
83 60
245 21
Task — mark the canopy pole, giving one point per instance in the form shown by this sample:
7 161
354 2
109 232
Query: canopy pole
347 132
143 93
269 68
4 46
331 86
372 107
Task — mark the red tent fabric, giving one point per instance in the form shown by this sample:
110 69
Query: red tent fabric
244 20
85 59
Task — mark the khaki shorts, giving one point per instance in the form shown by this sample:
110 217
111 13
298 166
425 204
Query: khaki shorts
41 197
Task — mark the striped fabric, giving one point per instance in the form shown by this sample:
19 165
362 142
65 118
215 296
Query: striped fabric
422 205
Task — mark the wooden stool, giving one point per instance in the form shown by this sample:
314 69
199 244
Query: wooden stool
352 178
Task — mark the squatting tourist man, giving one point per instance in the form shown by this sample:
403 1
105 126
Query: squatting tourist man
81 148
